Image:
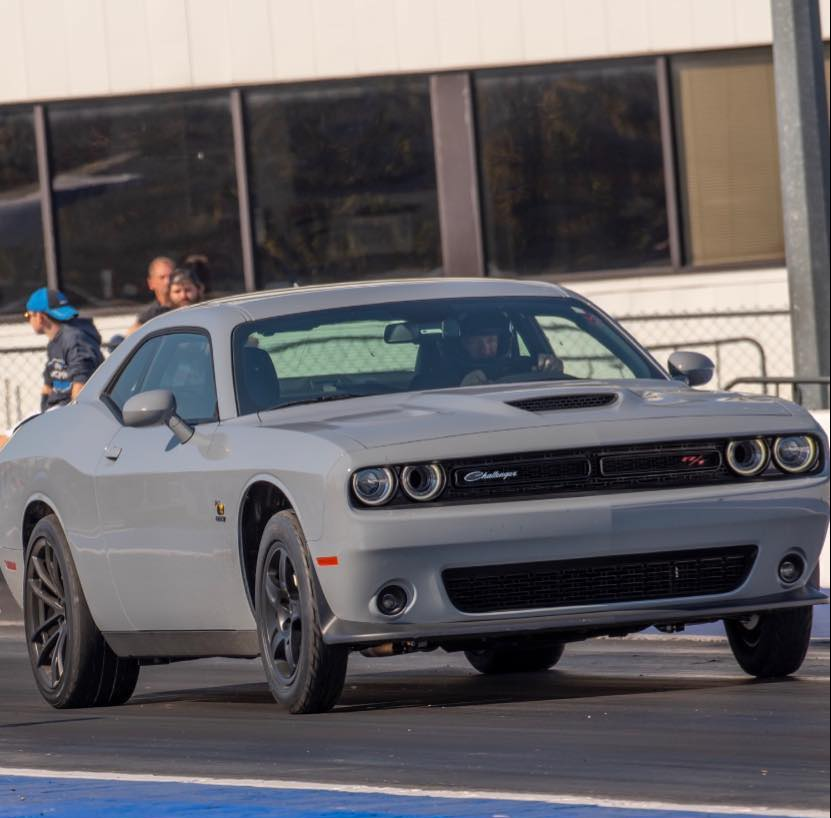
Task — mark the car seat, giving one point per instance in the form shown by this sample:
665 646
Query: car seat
258 386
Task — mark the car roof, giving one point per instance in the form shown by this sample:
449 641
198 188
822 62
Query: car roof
267 303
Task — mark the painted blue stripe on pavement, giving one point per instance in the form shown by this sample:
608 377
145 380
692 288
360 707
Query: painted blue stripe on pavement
25 797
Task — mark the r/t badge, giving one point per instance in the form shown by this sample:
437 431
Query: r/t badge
220 511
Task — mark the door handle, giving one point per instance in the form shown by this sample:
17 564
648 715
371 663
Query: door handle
112 452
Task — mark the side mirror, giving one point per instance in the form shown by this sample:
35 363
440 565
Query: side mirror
154 408
693 367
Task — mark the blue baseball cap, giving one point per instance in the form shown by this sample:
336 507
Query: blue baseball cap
53 302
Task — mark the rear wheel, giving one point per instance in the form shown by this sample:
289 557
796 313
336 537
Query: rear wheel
72 664
516 658
772 643
304 673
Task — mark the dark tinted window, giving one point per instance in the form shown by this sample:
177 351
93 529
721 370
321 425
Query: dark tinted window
343 181
729 157
141 178
180 362
572 170
21 236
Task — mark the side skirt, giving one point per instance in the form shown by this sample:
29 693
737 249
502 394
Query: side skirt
183 644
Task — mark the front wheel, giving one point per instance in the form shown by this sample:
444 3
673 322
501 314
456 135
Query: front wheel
304 673
515 658
773 643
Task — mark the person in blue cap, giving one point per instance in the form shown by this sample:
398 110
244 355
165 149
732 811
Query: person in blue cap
74 349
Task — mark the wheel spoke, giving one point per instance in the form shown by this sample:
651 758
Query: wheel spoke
53 602
272 590
291 661
283 572
44 575
48 648
54 568
52 620
60 649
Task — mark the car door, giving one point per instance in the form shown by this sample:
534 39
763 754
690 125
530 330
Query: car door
170 554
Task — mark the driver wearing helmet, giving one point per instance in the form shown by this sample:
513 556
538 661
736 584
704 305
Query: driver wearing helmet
487 350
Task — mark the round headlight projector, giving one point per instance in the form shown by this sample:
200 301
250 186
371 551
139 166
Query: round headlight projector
391 600
374 486
747 458
795 454
791 568
422 482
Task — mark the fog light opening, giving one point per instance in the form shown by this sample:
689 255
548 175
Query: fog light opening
391 600
791 569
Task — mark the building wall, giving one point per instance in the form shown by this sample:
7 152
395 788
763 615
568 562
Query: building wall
55 49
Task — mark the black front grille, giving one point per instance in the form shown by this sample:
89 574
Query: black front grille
616 468
554 403
598 580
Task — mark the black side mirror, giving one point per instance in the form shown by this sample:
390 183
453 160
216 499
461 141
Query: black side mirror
692 367
154 408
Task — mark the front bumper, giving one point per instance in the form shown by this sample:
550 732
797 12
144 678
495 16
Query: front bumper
412 546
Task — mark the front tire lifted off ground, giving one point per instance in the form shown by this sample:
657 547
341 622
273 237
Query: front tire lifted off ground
304 673
772 643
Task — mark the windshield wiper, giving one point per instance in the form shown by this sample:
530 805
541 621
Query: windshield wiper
318 399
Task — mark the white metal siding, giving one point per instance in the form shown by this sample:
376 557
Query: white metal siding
52 49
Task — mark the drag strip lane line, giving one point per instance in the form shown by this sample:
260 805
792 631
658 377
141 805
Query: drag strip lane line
560 800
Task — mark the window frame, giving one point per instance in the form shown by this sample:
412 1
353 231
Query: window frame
105 398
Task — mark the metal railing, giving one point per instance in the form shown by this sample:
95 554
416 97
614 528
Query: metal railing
796 384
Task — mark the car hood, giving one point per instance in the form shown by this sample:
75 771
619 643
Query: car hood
410 417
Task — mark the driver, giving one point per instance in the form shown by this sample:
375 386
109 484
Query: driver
487 354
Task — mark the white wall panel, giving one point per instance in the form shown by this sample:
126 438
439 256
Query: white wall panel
825 18
714 22
128 49
376 50
670 25
210 45
544 29
167 36
417 34
12 51
458 33
335 37
627 26
586 29
293 40
249 27
752 23
86 46
500 32
44 49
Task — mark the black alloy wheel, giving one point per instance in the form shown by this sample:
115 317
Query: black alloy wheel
48 629
72 664
304 673
283 619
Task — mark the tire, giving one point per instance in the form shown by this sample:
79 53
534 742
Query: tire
72 664
516 658
773 643
304 673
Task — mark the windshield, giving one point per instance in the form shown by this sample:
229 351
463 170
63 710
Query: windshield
416 345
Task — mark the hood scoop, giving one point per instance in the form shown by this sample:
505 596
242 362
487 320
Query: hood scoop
554 403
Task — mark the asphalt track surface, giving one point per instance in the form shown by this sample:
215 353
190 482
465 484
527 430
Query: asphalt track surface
658 719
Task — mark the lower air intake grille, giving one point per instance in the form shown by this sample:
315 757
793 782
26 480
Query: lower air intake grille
598 580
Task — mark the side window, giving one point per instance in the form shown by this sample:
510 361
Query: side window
132 376
180 362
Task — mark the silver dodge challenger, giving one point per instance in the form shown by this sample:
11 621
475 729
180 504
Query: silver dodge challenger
486 466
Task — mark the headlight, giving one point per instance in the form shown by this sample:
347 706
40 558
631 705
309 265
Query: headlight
374 486
422 482
795 454
748 457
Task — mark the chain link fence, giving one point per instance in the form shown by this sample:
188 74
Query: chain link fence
743 344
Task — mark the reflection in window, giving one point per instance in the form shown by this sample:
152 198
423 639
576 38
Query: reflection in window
726 130
21 232
141 178
343 182
572 170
